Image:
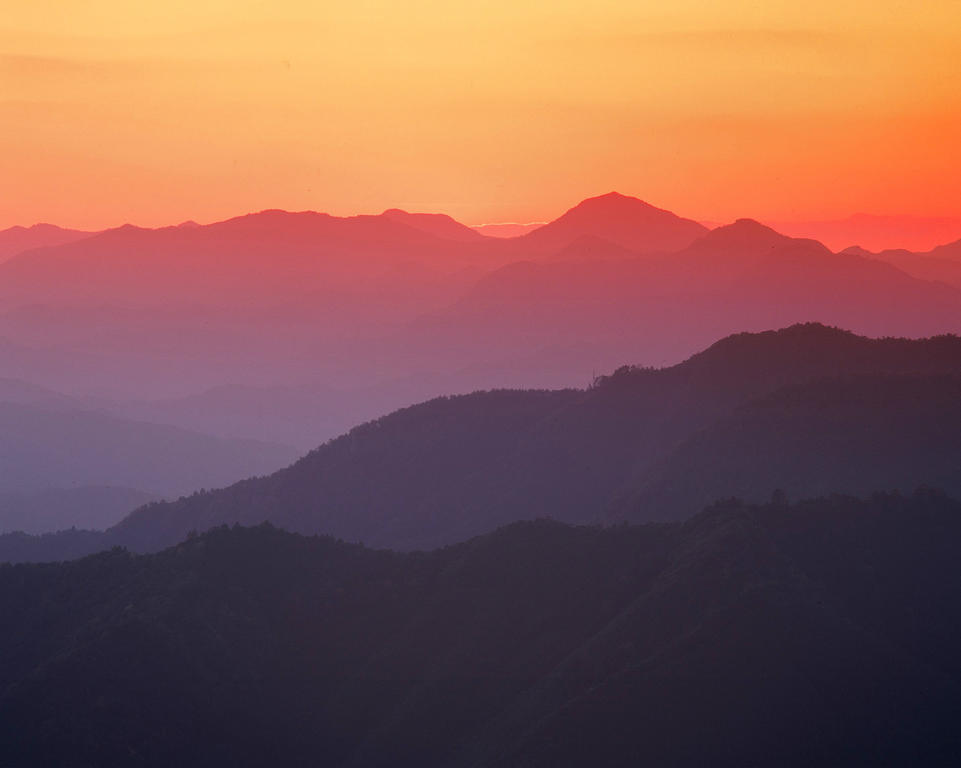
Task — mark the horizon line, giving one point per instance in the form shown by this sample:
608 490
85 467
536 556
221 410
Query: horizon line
708 221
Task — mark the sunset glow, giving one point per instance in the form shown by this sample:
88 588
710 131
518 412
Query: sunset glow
502 110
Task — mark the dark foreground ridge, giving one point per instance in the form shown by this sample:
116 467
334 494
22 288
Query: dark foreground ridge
824 632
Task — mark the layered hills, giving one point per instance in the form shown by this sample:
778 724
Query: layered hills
292 328
818 633
808 409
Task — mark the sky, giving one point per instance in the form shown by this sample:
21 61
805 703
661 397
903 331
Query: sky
493 110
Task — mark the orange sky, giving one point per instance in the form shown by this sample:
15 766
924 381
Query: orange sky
492 110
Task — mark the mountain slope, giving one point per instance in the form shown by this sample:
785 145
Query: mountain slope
438 224
941 264
55 509
53 448
161 313
455 467
624 221
406 480
18 239
801 635
262 258
828 436
659 309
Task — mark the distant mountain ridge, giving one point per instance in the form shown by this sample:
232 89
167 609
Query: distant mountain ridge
438 224
740 277
624 221
84 466
291 328
15 240
940 264
317 298
877 232
49 509
455 467
238 258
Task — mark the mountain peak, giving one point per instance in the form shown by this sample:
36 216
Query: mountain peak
17 239
625 221
437 224
773 345
743 234
752 227
611 196
615 203
857 250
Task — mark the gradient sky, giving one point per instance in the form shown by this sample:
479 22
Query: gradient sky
493 110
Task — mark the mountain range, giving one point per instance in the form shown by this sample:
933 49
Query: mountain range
15 240
297 489
359 303
941 264
625 221
288 329
819 633
63 466
877 233
808 410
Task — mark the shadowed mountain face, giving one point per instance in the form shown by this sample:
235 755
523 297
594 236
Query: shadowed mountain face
836 435
820 633
644 444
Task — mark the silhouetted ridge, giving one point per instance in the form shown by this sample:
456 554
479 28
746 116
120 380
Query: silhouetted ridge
817 633
437 224
857 250
950 251
641 443
771 347
939 265
625 221
18 239
613 204
801 352
744 233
